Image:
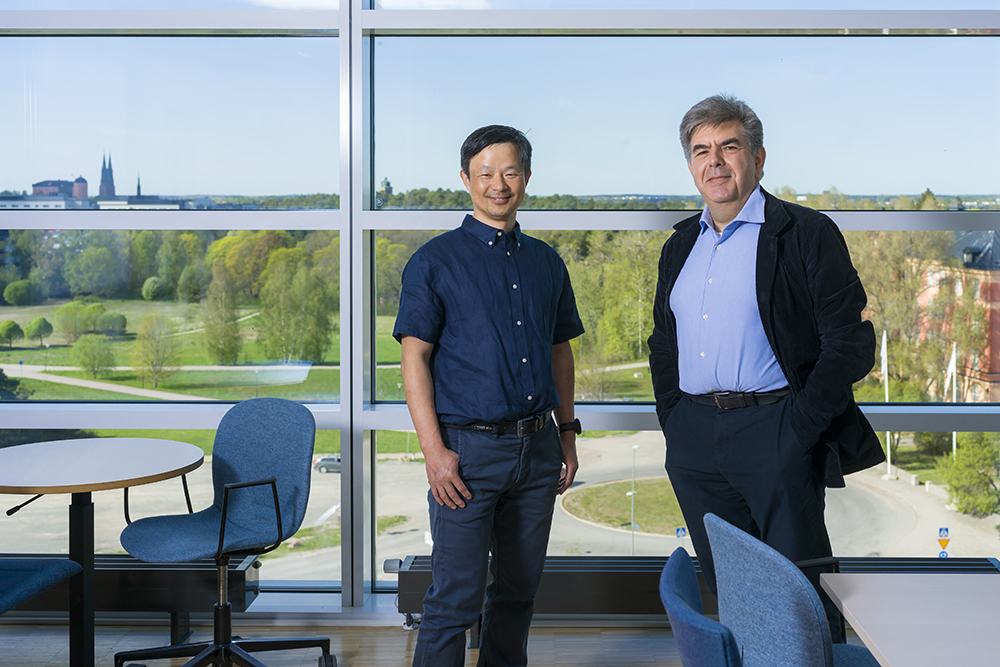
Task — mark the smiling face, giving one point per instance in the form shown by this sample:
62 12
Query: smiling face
496 182
724 170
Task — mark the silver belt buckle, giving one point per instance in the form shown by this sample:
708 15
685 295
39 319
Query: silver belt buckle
721 394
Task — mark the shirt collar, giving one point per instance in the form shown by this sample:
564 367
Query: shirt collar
487 234
752 212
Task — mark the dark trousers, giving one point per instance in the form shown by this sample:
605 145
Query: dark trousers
748 467
513 483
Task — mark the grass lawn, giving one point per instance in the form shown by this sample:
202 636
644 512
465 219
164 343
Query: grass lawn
321 384
326 536
656 508
50 391
914 461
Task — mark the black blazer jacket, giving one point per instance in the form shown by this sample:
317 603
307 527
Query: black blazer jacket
810 300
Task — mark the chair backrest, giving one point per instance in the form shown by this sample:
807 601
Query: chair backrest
260 438
701 641
770 606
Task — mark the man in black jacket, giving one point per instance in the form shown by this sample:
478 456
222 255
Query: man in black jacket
757 340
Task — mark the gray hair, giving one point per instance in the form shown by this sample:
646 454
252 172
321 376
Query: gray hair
716 110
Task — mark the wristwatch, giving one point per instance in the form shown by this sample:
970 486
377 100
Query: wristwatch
571 426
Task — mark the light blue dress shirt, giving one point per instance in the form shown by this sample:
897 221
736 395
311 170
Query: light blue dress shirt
721 345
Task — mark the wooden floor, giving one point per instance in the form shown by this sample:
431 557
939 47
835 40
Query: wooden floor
34 646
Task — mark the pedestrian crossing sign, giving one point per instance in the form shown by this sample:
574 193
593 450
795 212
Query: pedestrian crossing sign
682 531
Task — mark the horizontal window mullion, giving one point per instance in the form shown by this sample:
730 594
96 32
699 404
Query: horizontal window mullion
633 22
656 220
223 220
256 23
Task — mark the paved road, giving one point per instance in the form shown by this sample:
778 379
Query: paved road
871 516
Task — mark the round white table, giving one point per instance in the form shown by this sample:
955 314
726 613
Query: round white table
80 467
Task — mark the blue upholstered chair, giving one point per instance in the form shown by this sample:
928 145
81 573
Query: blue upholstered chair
261 464
701 641
771 608
23 578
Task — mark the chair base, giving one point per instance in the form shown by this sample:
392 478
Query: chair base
237 652
226 650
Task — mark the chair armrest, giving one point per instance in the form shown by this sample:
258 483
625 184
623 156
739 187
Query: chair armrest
225 508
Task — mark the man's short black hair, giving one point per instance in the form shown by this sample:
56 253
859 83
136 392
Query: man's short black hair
487 136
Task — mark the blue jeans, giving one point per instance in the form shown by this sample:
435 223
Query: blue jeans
513 483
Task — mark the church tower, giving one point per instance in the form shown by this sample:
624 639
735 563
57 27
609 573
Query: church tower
107 179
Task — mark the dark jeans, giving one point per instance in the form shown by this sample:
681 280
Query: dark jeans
748 467
513 483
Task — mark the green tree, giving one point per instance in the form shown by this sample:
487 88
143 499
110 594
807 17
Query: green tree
11 390
18 293
193 283
390 259
110 324
10 331
972 476
154 288
39 287
145 245
155 352
91 312
38 328
70 321
295 315
93 271
222 337
93 353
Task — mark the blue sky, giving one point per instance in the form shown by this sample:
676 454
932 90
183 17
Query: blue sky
868 115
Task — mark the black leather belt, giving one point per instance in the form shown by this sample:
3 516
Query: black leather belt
521 428
730 400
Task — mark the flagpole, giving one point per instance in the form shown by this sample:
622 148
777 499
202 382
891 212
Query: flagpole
885 378
953 367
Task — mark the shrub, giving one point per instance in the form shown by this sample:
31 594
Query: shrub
110 324
10 331
38 328
93 354
153 289
18 293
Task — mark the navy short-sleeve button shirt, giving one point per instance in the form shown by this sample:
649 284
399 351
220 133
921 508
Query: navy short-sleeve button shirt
493 305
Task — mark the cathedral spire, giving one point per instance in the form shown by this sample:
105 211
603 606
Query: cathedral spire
138 186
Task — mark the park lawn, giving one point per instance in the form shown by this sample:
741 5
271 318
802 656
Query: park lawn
916 462
387 349
327 536
51 391
327 442
320 385
656 508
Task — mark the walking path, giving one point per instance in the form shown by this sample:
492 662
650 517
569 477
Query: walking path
32 373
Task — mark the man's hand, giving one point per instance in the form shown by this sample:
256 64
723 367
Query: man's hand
442 474
570 461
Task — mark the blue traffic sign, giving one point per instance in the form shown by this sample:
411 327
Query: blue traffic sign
942 532
682 532
943 554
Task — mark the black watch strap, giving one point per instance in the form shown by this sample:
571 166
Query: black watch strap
571 426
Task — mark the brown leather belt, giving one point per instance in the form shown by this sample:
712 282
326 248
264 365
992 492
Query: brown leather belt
731 400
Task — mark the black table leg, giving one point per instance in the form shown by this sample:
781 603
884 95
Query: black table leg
81 586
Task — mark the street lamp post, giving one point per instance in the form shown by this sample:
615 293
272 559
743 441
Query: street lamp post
631 495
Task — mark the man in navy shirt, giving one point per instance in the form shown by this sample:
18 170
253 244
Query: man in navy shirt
757 340
486 314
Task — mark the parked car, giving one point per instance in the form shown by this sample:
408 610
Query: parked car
327 463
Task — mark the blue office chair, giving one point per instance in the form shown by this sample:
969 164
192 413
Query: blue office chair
23 578
261 463
701 641
771 608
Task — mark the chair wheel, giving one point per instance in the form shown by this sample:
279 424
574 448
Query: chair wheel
328 660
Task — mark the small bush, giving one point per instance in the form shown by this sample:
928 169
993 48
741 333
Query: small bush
18 293
110 324
153 289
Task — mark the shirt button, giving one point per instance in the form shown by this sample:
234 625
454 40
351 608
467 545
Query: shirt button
519 323
524 361
508 253
490 243
703 354
529 398
709 280
499 233
515 286
704 317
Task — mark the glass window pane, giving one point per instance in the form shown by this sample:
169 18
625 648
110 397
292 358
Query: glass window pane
176 5
170 315
313 553
169 123
605 131
872 516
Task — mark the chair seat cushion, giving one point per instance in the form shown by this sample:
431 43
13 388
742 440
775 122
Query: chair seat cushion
181 538
23 578
848 655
